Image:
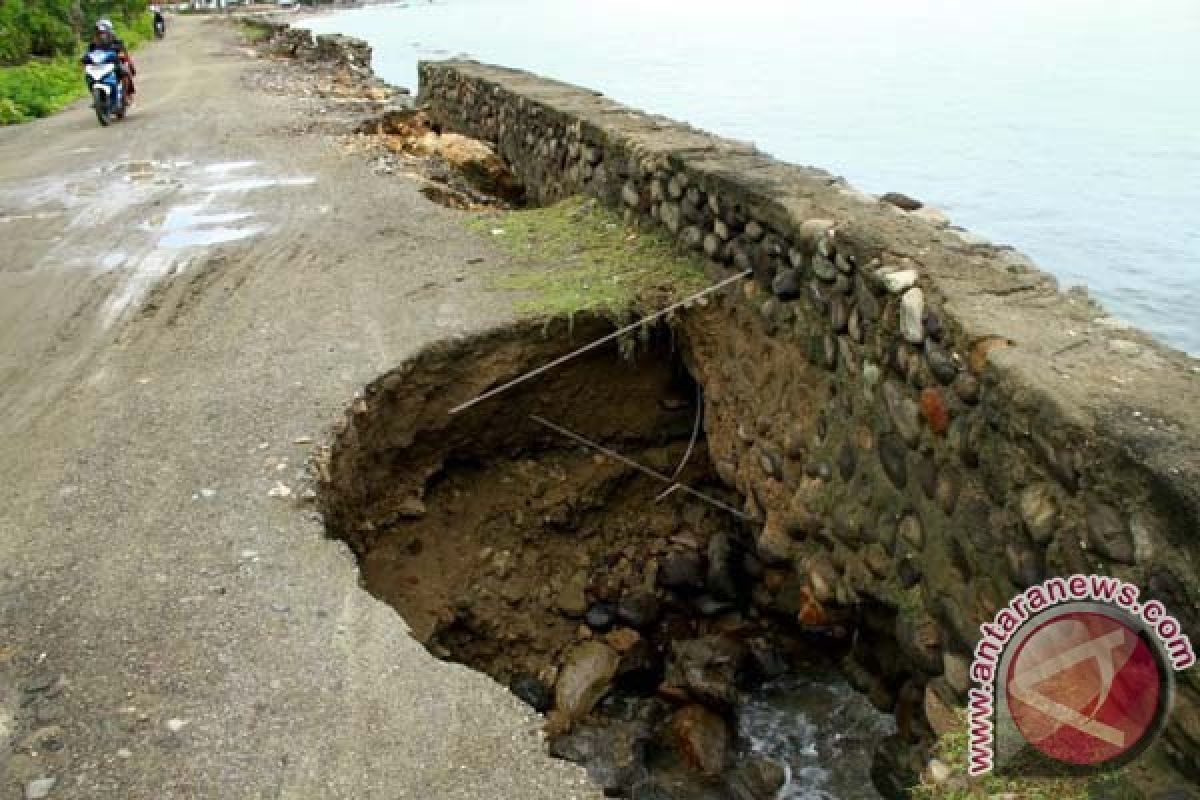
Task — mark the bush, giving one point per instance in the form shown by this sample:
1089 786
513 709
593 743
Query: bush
49 33
39 88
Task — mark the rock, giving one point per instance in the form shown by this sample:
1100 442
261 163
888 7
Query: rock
823 268
939 712
896 281
910 532
956 669
941 363
771 463
638 609
1108 534
612 755
939 772
839 317
39 789
933 409
912 312
671 216
893 455
572 599
702 739
724 558
1024 564
978 357
1039 511
532 691
847 460
682 571
708 668
786 284
766 659
176 725
903 412
926 475
477 162
600 617
759 779
622 639
966 386
773 544
946 493
901 201
586 675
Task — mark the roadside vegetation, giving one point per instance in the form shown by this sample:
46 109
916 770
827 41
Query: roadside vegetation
40 45
598 263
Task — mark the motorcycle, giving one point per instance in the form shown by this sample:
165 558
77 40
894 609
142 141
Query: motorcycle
160 26
109 97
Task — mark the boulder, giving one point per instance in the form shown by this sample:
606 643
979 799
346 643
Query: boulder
702 739
708 669
612 755
586 675
760 778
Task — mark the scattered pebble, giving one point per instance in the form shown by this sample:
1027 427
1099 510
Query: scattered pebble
124 753
302 440
176 725
497 231
40 788
208 493
279 490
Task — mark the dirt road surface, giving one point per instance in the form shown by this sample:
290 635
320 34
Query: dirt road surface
186 299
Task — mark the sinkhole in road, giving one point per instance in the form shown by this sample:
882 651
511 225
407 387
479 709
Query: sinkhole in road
571 573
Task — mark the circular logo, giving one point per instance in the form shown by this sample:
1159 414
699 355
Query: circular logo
1087 687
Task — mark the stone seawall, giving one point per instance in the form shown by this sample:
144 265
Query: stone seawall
919 418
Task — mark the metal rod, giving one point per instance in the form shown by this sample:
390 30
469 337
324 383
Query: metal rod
609 337
653 473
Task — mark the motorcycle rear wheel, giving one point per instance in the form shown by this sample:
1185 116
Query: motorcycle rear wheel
100 103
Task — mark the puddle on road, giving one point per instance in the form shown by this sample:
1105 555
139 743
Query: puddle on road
252 184
99 237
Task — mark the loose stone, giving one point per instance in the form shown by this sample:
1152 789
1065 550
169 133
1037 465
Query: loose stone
586 674
39 789
638 609
847 460
702 738
532 691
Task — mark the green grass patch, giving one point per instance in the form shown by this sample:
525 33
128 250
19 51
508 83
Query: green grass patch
580 256
39 88
45 86
253 33
951 750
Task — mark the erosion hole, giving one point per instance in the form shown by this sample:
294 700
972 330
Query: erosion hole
563 573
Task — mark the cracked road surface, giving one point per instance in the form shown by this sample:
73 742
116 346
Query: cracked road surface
187 299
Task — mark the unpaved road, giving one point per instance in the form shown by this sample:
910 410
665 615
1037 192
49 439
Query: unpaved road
182 297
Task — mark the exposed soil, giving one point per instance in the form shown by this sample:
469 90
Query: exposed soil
515 550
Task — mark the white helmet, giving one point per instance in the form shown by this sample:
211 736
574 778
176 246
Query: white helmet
104 26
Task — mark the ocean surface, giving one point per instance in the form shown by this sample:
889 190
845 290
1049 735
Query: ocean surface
1069 129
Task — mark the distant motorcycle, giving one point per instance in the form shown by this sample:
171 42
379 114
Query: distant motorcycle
109 98
160 25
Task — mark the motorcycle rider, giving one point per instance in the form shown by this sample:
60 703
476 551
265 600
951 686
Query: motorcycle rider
160 22
104 37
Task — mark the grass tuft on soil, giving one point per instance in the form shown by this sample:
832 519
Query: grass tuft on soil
951 750
582 257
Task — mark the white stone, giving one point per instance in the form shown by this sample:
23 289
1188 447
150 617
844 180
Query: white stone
1124 347
176 725
39 789
912 313
938 771
897 280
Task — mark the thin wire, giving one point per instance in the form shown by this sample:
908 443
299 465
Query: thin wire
563 359
653 473
695 432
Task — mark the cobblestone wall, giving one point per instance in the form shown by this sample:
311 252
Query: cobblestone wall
920 418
